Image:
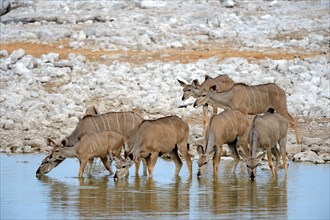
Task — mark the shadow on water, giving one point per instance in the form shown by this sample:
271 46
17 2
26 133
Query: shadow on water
61 195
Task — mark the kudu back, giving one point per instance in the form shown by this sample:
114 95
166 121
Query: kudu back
125 123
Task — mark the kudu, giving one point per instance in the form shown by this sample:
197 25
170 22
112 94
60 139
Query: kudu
222 83
251 100
100 144
266 131
229 127
155 138
126 123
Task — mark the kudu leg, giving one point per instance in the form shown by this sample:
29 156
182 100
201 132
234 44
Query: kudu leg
106 164
270 161
276 154
151 161
282 144
83 164
137 165
184 150
205 113
90 166
233 150
175 157
216 160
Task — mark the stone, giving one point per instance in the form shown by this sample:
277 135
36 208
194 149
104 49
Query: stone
311 141
308 156
293 149
20 69
17 54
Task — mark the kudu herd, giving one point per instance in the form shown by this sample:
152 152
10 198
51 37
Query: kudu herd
127 138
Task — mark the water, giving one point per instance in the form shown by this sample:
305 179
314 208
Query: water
304 194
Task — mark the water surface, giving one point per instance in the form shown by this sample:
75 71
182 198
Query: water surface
304 194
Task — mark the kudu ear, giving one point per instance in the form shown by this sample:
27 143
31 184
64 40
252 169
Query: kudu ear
200 150
91 110
195 83
114 157
131 156
213 151
243 156
50 142
181 83
259 158
207 77
213 88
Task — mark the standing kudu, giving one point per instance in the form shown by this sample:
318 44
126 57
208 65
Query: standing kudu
251 100
155 138
229 127
125 123
100 144
266 131
195 90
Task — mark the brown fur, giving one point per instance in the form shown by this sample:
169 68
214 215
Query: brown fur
266 132
229 127
99 144
222 83
161 136
251 100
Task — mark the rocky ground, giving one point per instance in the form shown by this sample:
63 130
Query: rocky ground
59 57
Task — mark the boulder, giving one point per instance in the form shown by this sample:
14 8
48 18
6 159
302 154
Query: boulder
293 149
308 156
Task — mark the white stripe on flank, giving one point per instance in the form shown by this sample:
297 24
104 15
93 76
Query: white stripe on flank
91 144
104 127
254 95
124 124
260 96
278 96
109 126
133 121
98 138
247 96
162 128
96 124
174 131
223 124
231 122
117 123
267 93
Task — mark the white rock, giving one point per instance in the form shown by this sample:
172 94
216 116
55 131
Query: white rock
20 69
17 54
308 156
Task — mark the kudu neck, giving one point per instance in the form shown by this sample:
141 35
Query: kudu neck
219 98
69 152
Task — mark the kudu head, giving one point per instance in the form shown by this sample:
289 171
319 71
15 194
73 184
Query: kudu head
203 160
190 90
205 96
122 168
252 164
52 160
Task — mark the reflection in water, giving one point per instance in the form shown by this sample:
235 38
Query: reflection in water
232 196
228 196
